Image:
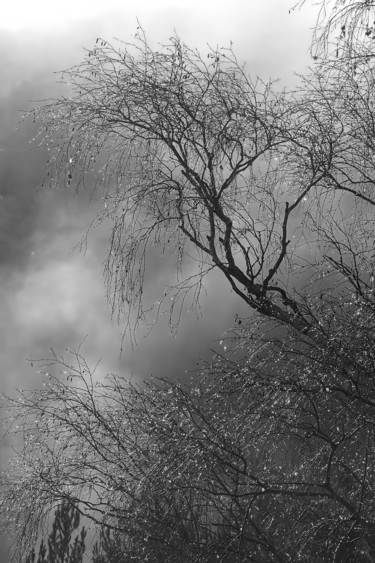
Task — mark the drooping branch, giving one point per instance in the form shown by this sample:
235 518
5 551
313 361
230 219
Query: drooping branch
199 163
343 28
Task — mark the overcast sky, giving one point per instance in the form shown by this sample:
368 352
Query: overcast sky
50 294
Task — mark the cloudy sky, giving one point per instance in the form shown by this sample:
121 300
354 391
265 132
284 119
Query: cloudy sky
51 295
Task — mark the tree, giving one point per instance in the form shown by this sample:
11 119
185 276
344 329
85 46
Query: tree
200 162
269 454
60 550
189 147
344 28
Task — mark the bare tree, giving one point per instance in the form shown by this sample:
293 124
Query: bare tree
200 163
268 456
344 28
192 151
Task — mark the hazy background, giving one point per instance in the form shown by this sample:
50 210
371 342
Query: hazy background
51 295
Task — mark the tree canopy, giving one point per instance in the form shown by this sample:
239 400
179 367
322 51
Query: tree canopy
343 29
200 162
268 454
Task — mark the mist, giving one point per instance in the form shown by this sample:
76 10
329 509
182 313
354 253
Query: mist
52 294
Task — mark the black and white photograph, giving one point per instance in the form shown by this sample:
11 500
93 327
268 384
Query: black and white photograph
187 281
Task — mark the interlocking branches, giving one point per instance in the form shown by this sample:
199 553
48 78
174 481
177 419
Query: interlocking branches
190 149
344 29
268 454
203 165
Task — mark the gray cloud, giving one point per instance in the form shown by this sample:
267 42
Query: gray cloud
50 295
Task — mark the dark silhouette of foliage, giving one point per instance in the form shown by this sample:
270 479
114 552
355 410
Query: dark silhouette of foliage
59 547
